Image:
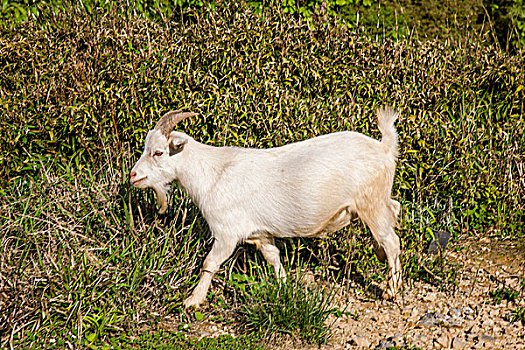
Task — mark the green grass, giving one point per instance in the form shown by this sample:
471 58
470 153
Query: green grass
87 286
518 314
85 258
294 307
156 340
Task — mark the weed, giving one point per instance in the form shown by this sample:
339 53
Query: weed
518 314
507 294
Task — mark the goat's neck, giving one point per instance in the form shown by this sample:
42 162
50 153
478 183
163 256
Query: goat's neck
202 167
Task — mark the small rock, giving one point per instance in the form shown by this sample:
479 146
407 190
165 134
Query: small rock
397 337
475 329
420 337
439 242
430 297
454 322
443 340
431 319
467 311
428 320
458 343
454 312
487 324
486 338
386 344
361 342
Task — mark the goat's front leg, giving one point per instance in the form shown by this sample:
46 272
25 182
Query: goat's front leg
222 249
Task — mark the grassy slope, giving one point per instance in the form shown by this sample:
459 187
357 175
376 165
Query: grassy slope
83 255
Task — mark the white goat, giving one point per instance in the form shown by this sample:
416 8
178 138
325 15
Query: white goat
304 189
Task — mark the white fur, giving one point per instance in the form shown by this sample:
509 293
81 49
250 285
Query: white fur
304 189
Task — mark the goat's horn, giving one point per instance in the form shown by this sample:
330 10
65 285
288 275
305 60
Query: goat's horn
170 119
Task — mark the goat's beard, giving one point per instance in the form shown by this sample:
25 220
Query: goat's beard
162 199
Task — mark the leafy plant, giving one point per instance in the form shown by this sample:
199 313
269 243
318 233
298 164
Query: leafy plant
507 19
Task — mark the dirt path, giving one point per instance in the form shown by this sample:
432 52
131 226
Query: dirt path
470 318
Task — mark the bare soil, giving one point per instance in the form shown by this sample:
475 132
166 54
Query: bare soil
467 318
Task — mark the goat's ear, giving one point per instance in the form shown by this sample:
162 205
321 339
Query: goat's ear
176 144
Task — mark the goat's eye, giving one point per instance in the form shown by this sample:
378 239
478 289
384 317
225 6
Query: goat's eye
157 154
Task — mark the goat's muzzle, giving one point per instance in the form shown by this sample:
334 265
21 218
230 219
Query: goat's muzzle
133 178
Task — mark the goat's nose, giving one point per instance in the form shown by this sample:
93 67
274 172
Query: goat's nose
133 174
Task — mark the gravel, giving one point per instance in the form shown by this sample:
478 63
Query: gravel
432 319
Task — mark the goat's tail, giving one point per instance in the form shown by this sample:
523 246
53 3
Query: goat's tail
385 119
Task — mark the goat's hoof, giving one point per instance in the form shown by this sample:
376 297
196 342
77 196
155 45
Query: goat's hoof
389 294
192 301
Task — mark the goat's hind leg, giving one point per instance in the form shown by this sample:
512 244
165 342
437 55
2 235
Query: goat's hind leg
393 252
395 208
222 249
381 223
271 254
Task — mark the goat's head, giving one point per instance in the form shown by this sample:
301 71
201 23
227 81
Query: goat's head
157 166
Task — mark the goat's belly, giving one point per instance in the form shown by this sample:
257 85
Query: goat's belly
339 220
319 227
